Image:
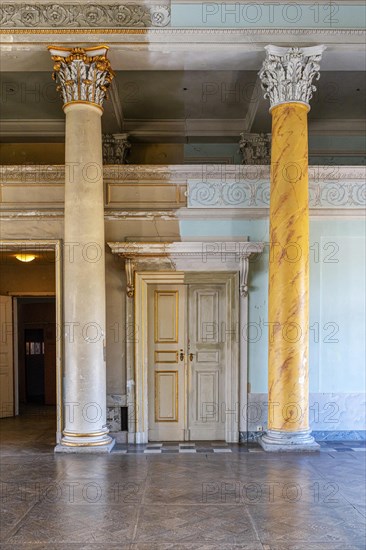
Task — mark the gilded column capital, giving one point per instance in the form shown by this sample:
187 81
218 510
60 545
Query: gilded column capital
287 74
83 75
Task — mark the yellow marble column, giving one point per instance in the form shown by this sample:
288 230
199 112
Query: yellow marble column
287 75
83 75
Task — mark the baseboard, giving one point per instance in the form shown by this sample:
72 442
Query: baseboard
331 435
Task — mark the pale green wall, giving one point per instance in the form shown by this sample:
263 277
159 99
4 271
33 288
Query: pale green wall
267 14
337 296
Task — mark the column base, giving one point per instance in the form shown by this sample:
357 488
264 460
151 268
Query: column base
105 445
278 441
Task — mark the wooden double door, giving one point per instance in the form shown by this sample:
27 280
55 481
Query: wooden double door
186 361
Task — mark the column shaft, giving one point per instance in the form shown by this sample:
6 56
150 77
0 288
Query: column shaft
287 78
288 295
84 278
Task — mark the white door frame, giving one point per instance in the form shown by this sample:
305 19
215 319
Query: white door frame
230 408
55 245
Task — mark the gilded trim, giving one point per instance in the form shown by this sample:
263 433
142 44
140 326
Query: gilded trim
83 102
91 444
93 434
89 49
74 31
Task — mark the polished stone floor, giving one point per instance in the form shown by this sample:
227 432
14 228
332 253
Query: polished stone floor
193 500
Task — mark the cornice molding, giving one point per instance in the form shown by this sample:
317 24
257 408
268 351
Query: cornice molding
189 249
184 35
175 173
57 214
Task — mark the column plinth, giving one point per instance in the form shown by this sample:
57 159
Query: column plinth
287 76
84 385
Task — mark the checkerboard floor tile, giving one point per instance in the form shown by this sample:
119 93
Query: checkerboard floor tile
220 447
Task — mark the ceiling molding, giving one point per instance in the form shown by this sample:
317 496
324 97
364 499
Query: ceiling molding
31 127
175 128
168 34
337 126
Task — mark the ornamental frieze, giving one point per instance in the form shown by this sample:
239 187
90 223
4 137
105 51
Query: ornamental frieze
257 194
209 186
73 16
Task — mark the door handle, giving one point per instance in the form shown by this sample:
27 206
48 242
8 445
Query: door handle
181 355
191 356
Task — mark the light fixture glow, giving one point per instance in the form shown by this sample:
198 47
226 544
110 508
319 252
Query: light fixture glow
25 257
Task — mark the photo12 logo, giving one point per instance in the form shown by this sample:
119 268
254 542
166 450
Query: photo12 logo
259 13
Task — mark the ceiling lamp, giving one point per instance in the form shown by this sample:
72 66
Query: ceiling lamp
25 257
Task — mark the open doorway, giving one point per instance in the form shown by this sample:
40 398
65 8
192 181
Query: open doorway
36 351
30 294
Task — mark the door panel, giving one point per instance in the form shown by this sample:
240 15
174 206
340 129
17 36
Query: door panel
186 371
166 396
6 358
167 366
206 307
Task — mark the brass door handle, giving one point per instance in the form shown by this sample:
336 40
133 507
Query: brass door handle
191 356
181 355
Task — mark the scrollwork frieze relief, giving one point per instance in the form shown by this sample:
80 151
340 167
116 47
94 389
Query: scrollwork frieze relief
73 16
257 195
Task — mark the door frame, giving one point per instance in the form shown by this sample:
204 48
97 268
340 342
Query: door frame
140 420
55 245
154 262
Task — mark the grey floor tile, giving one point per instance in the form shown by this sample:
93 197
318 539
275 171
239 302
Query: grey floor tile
195 524
82 524
300 523
245 498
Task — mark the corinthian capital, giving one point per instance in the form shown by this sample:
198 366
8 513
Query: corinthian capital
82 74
255 148
287 74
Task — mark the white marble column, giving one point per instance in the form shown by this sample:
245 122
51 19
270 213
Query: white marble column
83 76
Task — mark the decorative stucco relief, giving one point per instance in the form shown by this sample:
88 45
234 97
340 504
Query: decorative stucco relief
73 16
256 195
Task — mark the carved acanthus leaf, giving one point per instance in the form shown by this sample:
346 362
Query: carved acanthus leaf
287 74
82 74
